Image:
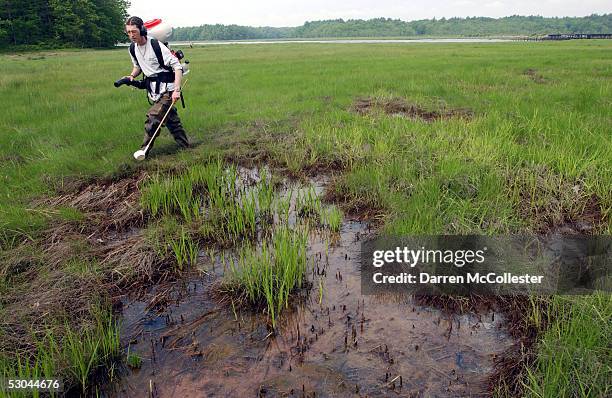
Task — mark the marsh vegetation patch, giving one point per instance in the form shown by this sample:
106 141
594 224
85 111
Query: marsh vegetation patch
398 106
105 205
535 76
551 203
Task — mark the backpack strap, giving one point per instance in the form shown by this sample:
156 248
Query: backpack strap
158 54
133 53
167 76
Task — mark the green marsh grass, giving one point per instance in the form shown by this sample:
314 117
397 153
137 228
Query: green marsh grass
43 365
307 203
574 353
73 356
265 194
270 273
134 361
185 250
283 207
97 346
208 195
518 123
331 217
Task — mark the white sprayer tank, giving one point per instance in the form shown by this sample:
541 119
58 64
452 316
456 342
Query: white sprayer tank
161 31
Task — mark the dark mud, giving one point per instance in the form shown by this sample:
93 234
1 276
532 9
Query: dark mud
400 107
332 342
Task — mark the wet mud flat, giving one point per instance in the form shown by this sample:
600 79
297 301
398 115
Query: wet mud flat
332 341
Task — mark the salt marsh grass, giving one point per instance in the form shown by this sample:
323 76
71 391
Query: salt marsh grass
75 355
265 195
307 203
283 207
573 354
85 351
208 197
185 250
394 163
134 361
270 273
331 217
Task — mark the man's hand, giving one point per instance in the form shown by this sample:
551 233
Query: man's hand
129 77
176 95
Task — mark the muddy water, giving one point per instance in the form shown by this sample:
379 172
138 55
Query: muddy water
339 343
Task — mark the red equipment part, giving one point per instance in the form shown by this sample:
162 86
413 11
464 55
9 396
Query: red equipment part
152 23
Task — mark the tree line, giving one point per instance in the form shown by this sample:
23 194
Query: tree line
57 23
386 27
100 23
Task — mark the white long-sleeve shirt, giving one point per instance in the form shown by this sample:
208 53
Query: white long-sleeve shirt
147 61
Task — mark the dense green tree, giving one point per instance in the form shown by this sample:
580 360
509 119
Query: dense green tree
80 23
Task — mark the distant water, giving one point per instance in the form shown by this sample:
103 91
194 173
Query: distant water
336 41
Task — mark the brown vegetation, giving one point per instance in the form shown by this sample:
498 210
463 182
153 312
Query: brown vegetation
401 107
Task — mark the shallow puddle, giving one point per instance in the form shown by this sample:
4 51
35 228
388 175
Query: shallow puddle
333 342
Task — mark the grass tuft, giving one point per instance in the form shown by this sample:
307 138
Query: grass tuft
75 356
269 275
573 353
185 250
331 217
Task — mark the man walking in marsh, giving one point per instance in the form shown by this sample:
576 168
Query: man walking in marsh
163 75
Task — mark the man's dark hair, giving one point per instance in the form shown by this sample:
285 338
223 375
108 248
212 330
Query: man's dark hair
136 21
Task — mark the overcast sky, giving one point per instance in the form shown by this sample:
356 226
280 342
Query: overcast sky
295 13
